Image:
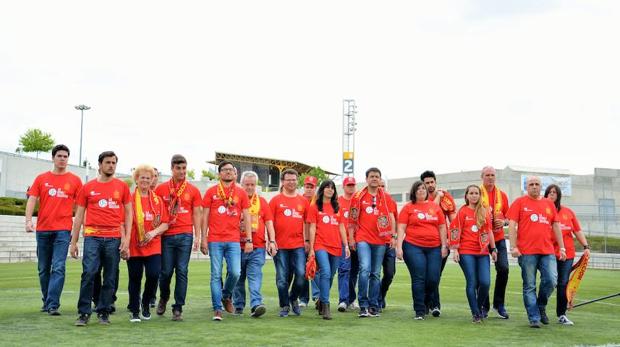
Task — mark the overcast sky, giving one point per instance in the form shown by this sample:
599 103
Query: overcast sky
442 85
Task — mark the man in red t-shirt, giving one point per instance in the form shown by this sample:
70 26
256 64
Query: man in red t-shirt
532 244
106 201
445 201
371 221
496 202
310 185
56 191
349 267
225 206
184 205
289 213
263 236
389 259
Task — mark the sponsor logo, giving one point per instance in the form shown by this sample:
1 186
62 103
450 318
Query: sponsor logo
288 212
103 203
52 192
369 209
534 218
221 210
326 219
421 215
346 214
474 228
94 193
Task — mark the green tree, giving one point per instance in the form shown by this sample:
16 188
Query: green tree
35 140
316 172
129 181
209 174
191 174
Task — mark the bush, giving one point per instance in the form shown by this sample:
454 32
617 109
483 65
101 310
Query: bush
15 207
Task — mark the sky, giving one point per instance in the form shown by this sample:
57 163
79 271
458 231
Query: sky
441 85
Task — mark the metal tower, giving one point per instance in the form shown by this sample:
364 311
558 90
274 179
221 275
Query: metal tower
349 110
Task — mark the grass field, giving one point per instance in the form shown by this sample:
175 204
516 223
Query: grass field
21 323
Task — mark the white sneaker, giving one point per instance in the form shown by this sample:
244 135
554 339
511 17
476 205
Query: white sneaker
354 306
342 306
564 320
303 304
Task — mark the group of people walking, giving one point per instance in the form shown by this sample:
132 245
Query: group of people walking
156 228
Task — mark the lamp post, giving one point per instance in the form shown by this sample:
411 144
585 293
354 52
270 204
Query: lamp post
81 108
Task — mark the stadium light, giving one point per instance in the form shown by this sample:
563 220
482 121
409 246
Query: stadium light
81 108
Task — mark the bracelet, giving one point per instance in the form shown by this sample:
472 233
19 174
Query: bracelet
586 246
307 240
493 249
248 240
395 236
272 241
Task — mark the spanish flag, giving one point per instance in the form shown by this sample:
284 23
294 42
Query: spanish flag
579 269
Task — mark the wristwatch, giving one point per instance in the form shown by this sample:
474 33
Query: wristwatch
272 241
395 236
493 249
586 246
248 240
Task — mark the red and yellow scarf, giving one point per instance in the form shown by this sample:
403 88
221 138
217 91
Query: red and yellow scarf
175 192
226 196
497 206
139 212
254 211
384 225
456 229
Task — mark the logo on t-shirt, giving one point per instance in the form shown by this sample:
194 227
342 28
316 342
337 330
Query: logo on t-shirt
288 212
346 214
474 228
326 219
369 209
534 217
421 215
221 210
52 192
103 203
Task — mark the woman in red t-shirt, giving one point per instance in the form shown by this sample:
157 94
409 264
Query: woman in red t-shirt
327 239
471 234
149 222
422 243
569 226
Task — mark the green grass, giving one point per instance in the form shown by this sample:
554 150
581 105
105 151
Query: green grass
22 324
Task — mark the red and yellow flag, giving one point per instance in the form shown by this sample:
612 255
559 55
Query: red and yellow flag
579 269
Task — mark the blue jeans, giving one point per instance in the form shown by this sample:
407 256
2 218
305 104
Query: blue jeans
290 261
347 277
305 293
52 247
424 264
252 268
105 251
175 254
150 266
564 268
218 251
389 270
477 271
370 259
548 278
328 264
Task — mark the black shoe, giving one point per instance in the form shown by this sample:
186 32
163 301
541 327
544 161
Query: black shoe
82 320
373 312
112 309
104 318
363 313
436 312
53 312
152 303
43 309
258 311
134 318
535 324
543 316
146 312
238 311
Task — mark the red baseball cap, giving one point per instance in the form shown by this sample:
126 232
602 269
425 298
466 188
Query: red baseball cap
348 180
310 180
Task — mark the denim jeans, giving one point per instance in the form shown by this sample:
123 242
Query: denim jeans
218 251
105 251
564 268
370 260
289 261
305 293
136 266
501 277
176 251
389 270
347 277
97 286
424 264
477 271
52 248
252 268
328 264
546 264
432 299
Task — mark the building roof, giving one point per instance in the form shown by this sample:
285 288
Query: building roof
281 164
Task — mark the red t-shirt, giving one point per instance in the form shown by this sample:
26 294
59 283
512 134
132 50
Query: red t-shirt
57 194
149 209
423 220
105 207
288 220
368 230
498 233
535 218
224 221
190 198
393 208
569 225
469 242
258 235
345 206
327 235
